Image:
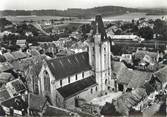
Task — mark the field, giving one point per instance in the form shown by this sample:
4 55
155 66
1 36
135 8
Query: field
17 19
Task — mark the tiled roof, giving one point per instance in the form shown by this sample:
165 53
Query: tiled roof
2 58
139 78
16 86
133 78
69 65
123 74
36 102
117 66
19 55
56 111
75 87
5 77
128 100
9 57
13 102
4 95
34 52
5 66
125 102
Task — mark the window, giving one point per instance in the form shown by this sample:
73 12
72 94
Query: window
105 58
60 82
68 79
106 81
82 74
76 102
96 88
93 49
46 81
91 91
104 49
76 77
36 89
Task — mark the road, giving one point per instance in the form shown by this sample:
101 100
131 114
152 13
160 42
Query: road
101 101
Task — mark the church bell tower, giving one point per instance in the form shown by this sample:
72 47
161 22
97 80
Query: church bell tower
99 55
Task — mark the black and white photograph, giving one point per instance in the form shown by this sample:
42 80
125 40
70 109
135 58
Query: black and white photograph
83 58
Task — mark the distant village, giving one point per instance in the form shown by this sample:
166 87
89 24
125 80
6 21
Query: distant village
66 67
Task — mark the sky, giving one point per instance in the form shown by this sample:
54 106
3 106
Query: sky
64 4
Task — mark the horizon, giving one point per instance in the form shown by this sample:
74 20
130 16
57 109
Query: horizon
82 8
79 4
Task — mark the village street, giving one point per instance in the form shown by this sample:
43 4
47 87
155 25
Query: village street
101 101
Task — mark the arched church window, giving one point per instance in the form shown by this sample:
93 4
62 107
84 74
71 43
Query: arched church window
36 89
96 88
46 81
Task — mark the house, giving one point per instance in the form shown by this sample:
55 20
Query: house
125 38
19 55
146 56
9 57
125 102
15 87
33 52
4 95
129 101
59 29
5 66
127 78
14 106
5 77
21 43
14 58
49 47
127 58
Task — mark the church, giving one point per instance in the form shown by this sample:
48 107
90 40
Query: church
83 75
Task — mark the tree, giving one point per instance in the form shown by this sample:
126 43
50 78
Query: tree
160 29
146 32
10 39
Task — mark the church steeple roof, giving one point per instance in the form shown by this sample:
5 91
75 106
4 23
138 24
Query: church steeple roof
100 27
